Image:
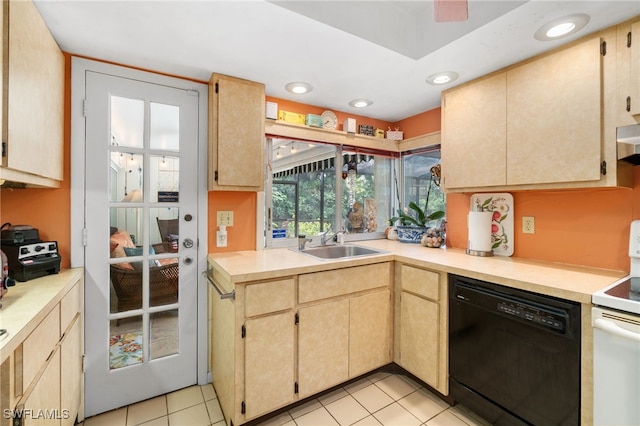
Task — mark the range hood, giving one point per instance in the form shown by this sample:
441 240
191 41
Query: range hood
628 138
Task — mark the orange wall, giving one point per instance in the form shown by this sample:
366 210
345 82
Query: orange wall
583 227
240 236
588 227
48 210
420 124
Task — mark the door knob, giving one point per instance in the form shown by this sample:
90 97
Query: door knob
187 243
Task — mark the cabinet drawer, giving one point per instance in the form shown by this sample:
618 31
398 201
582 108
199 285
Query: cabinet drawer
69 307
38 346
272 296
420 281
326 284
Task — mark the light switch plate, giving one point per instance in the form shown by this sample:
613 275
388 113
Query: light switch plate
225 218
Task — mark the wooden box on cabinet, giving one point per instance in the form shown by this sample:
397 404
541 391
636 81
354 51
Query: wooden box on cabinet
32 98
236 134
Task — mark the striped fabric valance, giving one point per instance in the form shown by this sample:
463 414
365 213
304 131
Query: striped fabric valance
325 164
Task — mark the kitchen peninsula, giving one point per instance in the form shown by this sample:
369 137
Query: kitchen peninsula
285 278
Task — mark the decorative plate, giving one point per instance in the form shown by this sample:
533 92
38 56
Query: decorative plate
501 204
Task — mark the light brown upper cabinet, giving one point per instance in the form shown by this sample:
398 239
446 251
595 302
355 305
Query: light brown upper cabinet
474 133
32 98
236 134
544 123
553 117
628 57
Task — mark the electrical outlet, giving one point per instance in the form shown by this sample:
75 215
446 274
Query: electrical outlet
528 225
225 218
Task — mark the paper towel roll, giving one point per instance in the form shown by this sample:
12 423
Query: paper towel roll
479 224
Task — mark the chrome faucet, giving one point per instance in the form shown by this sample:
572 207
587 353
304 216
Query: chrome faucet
324 237
335 236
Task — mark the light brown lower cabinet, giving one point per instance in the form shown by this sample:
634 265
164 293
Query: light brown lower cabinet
421 324
269 348
323 346
41 403
285 339
46 369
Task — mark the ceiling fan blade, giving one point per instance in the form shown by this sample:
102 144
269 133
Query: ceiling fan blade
450 10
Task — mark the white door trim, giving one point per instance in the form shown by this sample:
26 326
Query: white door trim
79 67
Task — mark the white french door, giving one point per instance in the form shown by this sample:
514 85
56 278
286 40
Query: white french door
141 255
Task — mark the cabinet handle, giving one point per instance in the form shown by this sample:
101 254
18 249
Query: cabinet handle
231 295
628 104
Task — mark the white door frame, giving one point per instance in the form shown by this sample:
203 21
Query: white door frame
79 66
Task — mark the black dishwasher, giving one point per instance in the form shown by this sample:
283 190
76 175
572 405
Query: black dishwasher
514 356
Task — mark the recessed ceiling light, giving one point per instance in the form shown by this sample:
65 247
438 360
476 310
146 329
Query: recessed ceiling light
442 77
360 103
298 87
562 27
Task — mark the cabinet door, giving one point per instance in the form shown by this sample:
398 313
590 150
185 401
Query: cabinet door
35 95
237 134
369 332
323 346
634 81
269 363
42 401
554 116
419 337
71 372
628 74
474 134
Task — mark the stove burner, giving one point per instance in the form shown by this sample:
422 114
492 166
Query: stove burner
628 289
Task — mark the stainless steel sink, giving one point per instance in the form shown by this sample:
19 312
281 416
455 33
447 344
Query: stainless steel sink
340 252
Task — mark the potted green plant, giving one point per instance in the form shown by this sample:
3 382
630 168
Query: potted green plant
413 226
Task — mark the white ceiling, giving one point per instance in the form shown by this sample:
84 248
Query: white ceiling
380 50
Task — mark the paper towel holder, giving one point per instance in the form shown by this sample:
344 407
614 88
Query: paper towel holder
480 253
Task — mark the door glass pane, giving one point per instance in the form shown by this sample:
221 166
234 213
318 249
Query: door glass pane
126 286
163 281
164 334
126 177
165 179
164 233
126 225
165 127
127 122
125 342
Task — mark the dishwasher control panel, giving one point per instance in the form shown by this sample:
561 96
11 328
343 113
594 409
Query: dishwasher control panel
533 314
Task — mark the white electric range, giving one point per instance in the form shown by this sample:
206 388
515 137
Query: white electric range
616 345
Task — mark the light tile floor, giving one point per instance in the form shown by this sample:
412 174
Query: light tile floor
379 399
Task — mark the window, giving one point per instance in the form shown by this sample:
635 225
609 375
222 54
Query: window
421 179
307 178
